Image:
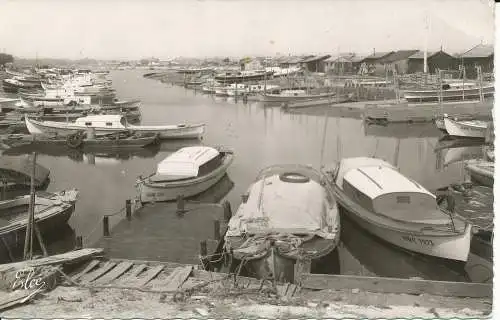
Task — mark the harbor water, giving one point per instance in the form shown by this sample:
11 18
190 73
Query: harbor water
260 136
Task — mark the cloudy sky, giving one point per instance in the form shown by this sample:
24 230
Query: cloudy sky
126 29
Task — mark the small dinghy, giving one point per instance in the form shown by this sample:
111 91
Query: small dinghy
481 172
465 128
52 210
187 172
398 210
81 140
15 172
287 220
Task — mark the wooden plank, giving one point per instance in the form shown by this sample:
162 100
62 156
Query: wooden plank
115 273
396 285
174 281
301 266
16 297
91 265
89 277
68 257
149 275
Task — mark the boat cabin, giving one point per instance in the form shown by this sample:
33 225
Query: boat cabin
187 163
103 121
379 188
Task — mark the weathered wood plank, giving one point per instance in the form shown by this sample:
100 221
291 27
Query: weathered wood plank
396 285
16 297
91 276
175 280
91 265
120 269
149 275
68 257
301 266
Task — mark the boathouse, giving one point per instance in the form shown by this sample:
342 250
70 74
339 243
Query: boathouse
289 62
480 55
347 64
315 63
438 60
372 64
398 60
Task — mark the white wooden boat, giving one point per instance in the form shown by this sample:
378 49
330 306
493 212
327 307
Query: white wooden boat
105 124
451 92
288 214
398 210
52 210
292 95
466 128
481 172
187 172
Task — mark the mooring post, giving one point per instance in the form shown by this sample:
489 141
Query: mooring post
227 211
105 226
128 209
216 229
79 242
4 189
203 248
180 204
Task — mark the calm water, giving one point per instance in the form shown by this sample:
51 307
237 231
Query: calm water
260 136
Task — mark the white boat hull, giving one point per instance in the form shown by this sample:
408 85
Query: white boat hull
453 247
148 193
463 129
164 132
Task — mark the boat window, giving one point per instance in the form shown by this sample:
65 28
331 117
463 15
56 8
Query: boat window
109 124
210 166
88 123
403 199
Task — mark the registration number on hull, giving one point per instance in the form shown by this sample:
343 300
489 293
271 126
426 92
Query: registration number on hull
422 242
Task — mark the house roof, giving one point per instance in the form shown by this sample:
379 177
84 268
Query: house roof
479 51
420 54
315 58
290 60
398 56
377 55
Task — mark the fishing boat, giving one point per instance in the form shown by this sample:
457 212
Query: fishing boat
243 76
16 172
481 172
82 140
187 172
288 215
451 92
292 95
465 128
105 124
398 210
318 102
52 210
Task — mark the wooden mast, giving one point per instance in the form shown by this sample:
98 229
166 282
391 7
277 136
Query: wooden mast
28 241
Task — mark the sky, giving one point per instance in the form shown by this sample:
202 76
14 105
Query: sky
126 29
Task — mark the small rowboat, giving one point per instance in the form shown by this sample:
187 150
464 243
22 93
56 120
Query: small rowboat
288 216
465 128
481 172
79 140
398 210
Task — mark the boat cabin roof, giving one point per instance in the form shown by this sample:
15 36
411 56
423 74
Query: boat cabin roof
114 118
186 162
375 177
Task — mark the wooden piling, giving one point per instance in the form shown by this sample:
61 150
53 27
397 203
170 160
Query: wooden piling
203 248
4 189
40 240
79 242
105 226
216 229
128 209
181 205
227 210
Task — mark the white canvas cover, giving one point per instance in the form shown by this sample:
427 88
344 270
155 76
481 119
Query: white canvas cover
276 205
185 163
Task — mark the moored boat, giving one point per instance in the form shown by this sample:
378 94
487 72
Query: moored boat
292 95
187 172
398 210
481 172
465 128
287 217
16 172
105 124
52 210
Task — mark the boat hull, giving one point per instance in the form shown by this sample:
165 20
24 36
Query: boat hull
152 192
481 175
461 129
445 247
165 132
